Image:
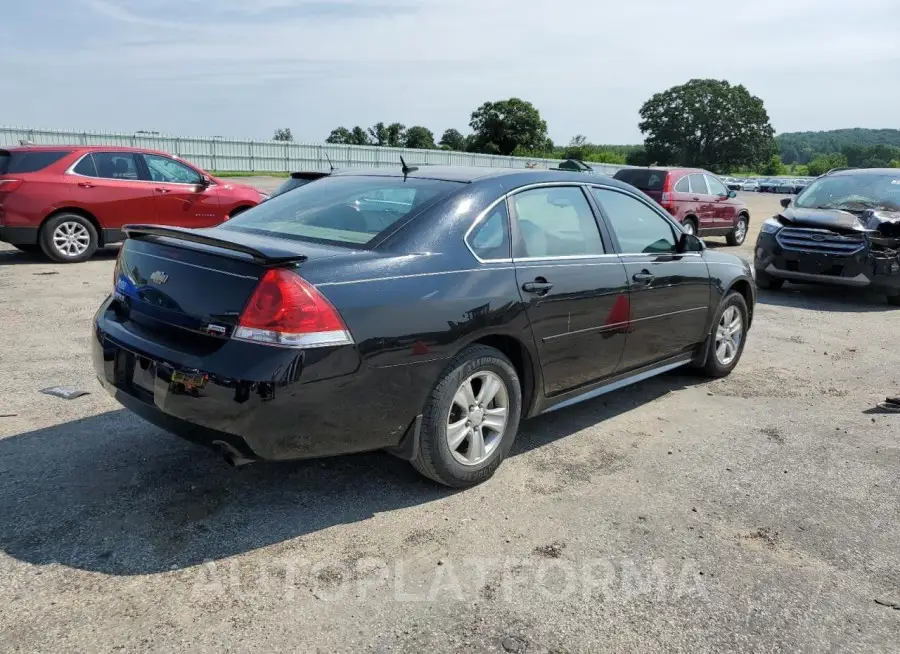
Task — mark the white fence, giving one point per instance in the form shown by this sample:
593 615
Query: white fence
274 156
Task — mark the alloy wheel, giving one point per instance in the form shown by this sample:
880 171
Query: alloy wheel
71 239
729 333
688 227
740 230
478 417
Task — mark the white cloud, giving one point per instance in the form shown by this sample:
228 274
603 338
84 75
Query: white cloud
242 68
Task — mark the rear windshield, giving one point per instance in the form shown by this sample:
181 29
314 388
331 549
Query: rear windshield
343 210
291 184
642 178
21 161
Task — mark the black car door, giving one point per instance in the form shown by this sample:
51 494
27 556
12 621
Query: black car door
669 291
574 286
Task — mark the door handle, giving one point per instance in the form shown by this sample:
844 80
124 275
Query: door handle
539 286
85 185
162 190
643 277
696 199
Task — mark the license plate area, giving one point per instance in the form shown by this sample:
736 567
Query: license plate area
143 378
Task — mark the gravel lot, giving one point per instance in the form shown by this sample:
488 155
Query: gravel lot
755 512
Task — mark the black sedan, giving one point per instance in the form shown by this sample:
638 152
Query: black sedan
420 311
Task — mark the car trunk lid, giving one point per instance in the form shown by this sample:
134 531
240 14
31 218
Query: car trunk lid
200 280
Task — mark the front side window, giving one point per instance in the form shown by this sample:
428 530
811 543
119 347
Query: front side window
639 228
163 169
556 221
715 186
490 238
116 165
343 209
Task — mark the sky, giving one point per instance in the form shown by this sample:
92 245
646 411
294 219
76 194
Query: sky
242 68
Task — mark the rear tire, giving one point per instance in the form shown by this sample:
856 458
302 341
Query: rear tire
460 446
739 233
766 282
69 238
689 225
729 333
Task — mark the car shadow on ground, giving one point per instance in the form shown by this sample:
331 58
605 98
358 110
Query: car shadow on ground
825 298
18 258
112 494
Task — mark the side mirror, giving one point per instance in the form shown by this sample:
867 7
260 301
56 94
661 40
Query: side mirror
205 180
732 194
689 243
785 202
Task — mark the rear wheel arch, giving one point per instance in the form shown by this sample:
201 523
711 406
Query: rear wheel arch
523 361
87 215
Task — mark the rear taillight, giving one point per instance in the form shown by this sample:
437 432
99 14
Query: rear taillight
287 310
668 198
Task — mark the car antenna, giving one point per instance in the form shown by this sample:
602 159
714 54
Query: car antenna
407 169
329 161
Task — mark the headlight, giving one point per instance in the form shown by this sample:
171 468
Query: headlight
770 226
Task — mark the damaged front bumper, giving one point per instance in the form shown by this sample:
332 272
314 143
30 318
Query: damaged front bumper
873 266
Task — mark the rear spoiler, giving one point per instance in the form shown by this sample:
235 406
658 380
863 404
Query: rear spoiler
309 175
267 256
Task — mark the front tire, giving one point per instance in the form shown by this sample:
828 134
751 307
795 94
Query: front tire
471 419
739 234
69 238
729 333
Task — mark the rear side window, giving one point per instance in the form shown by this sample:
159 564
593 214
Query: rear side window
698 185
643 178
115 165
86 166
23 161
490 238
345 210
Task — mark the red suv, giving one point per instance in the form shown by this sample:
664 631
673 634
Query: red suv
69 200
696 198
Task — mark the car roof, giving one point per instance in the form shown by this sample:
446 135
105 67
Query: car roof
82 148
681 169
468 174
865 171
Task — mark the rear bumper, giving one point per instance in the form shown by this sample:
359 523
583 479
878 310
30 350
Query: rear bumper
263 402
861 270
19 235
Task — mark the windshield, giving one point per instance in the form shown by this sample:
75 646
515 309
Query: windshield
341 210
852 193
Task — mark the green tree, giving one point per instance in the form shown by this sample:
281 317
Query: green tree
774 166
453 140
895 163
501 127
707 123
283 134
420 137
344 136
391 136
822 163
